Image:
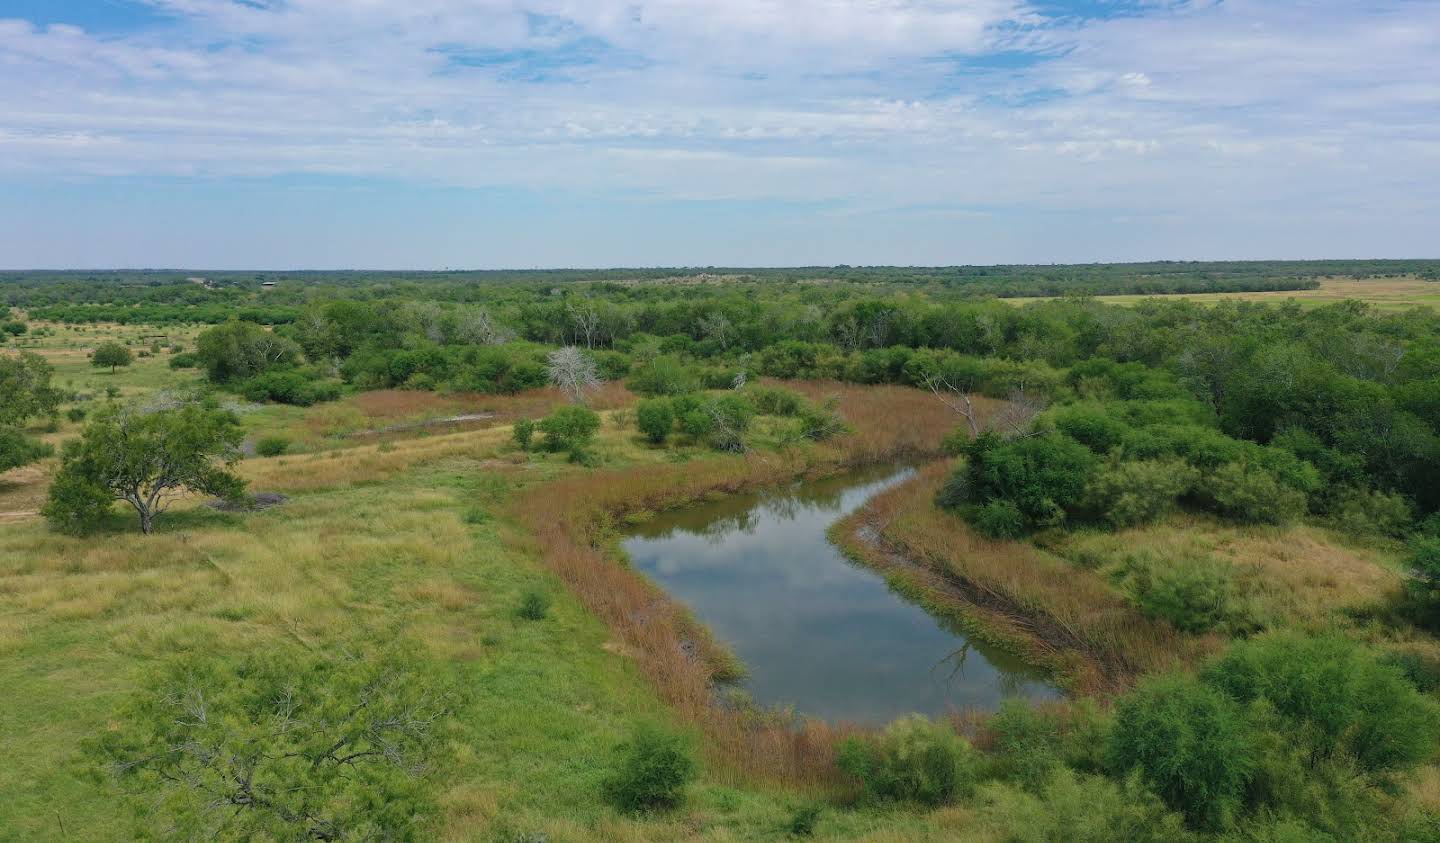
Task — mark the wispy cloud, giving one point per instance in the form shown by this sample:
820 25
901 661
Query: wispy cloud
1150 106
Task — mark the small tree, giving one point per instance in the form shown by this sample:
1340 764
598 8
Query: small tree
279 746
1187 741
25 392
146 457
915 760
111 354
25 388
655 418
523 432
237 350
17 449
573 371
569 429
651 771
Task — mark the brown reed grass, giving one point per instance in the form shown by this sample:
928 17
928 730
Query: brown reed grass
572 520
1065 618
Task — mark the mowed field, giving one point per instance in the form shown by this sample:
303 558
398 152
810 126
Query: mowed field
1391 294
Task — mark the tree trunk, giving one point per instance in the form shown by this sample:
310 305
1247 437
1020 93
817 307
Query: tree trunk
147 521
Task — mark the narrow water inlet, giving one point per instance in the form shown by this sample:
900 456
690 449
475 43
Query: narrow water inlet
814 630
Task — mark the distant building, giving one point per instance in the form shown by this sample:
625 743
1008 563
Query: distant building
265 285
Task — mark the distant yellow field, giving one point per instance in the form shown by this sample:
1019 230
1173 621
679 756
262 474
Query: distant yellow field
1384 293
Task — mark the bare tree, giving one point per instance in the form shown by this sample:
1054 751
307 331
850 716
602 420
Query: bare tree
429 318
1013 420
586 321
475 325
1016 418
742 377
573 371
716 327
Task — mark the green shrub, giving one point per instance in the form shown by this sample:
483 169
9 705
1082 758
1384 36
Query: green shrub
1027 742
1284 830
730 417
475 515
185 360
1187 741
651 771
1091 426
288 386
915 760
1422 672
17 449
820 423
1194 595
1252 494
697 423
570 428
523 432
581 455
1368 512
1127 494
75 414
534 606
1084 736
237 350
1000 519
665 375
1044 476
288 745
272 446
1082 809
803 821
655 418
1337 695
772 401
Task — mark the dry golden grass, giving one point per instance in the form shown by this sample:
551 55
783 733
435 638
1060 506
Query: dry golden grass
1298 576
23 490
1060 616
1384 293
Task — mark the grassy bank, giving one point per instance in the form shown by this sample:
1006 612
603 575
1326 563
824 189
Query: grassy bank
573 521
1012 593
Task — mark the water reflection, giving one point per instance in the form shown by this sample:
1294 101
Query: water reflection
815 631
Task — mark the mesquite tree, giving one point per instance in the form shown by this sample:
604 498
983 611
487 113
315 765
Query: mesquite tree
147 457
25 392
280 744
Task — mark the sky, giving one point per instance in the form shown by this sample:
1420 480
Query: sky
430 134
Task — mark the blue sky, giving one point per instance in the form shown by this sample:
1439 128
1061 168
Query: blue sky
521 133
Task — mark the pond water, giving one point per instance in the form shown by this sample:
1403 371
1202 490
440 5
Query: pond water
813 629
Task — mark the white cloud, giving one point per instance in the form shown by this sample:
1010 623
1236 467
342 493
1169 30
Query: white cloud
1194 107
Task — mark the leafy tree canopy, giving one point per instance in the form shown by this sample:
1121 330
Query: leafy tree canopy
146 456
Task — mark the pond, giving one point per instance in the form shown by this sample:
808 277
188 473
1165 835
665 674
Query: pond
814 630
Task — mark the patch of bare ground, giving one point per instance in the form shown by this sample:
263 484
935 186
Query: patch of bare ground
23 491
